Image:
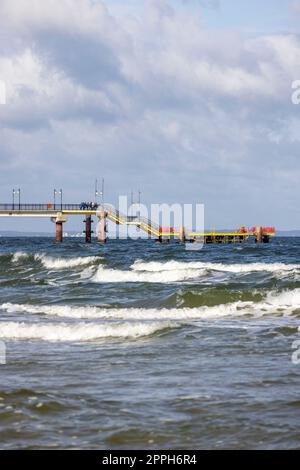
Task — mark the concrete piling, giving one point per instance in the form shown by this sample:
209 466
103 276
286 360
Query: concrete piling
259 235
181 236
102 215
59 221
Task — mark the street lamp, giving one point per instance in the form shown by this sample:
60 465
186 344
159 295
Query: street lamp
139 201
54 198
19 197
13 199
99 193
61 197
96 191
102 194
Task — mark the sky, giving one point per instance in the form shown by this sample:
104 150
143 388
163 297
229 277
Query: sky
188 101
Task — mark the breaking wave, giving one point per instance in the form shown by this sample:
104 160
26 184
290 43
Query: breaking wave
65 263
19 256
163 276
285 303
63 332
155 266
176 271
56 263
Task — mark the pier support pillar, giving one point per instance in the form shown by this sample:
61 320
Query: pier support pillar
59 221
181 235
102 226
58 232
259 235
88 229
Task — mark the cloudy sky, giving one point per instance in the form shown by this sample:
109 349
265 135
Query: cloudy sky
187 100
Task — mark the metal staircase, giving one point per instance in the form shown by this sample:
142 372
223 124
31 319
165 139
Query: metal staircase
143 223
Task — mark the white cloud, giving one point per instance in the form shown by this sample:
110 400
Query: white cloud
143 96
67 15
2 92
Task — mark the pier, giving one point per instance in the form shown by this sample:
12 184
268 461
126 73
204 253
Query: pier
59 214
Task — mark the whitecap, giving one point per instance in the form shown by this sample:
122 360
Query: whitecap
65 263
164 276
63 332
286 303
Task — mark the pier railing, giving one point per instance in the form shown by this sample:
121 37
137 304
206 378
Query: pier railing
147 224
39 207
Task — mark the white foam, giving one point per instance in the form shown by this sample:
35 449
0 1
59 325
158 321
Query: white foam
286 303
288 298
116 275
79 331
176 271
65 263
19 255
90 312
155 266
56 263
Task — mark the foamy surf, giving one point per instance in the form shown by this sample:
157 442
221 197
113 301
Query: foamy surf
168 276
65 263
79 332
19 256
156 266
176 271
56 263
284 303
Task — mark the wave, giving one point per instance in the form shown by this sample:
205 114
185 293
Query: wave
64 263
19 255
154 271
55 263
156 266
288 298
284 303
63 332
116 275
176 271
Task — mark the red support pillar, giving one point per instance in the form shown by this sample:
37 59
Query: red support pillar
88 229
58 232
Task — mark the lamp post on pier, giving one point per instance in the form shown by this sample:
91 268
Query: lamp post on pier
19 197
96 191
102 194
139 203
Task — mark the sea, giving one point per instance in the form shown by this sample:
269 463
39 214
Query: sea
141 345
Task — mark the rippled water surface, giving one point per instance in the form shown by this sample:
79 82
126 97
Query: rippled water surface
141 345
